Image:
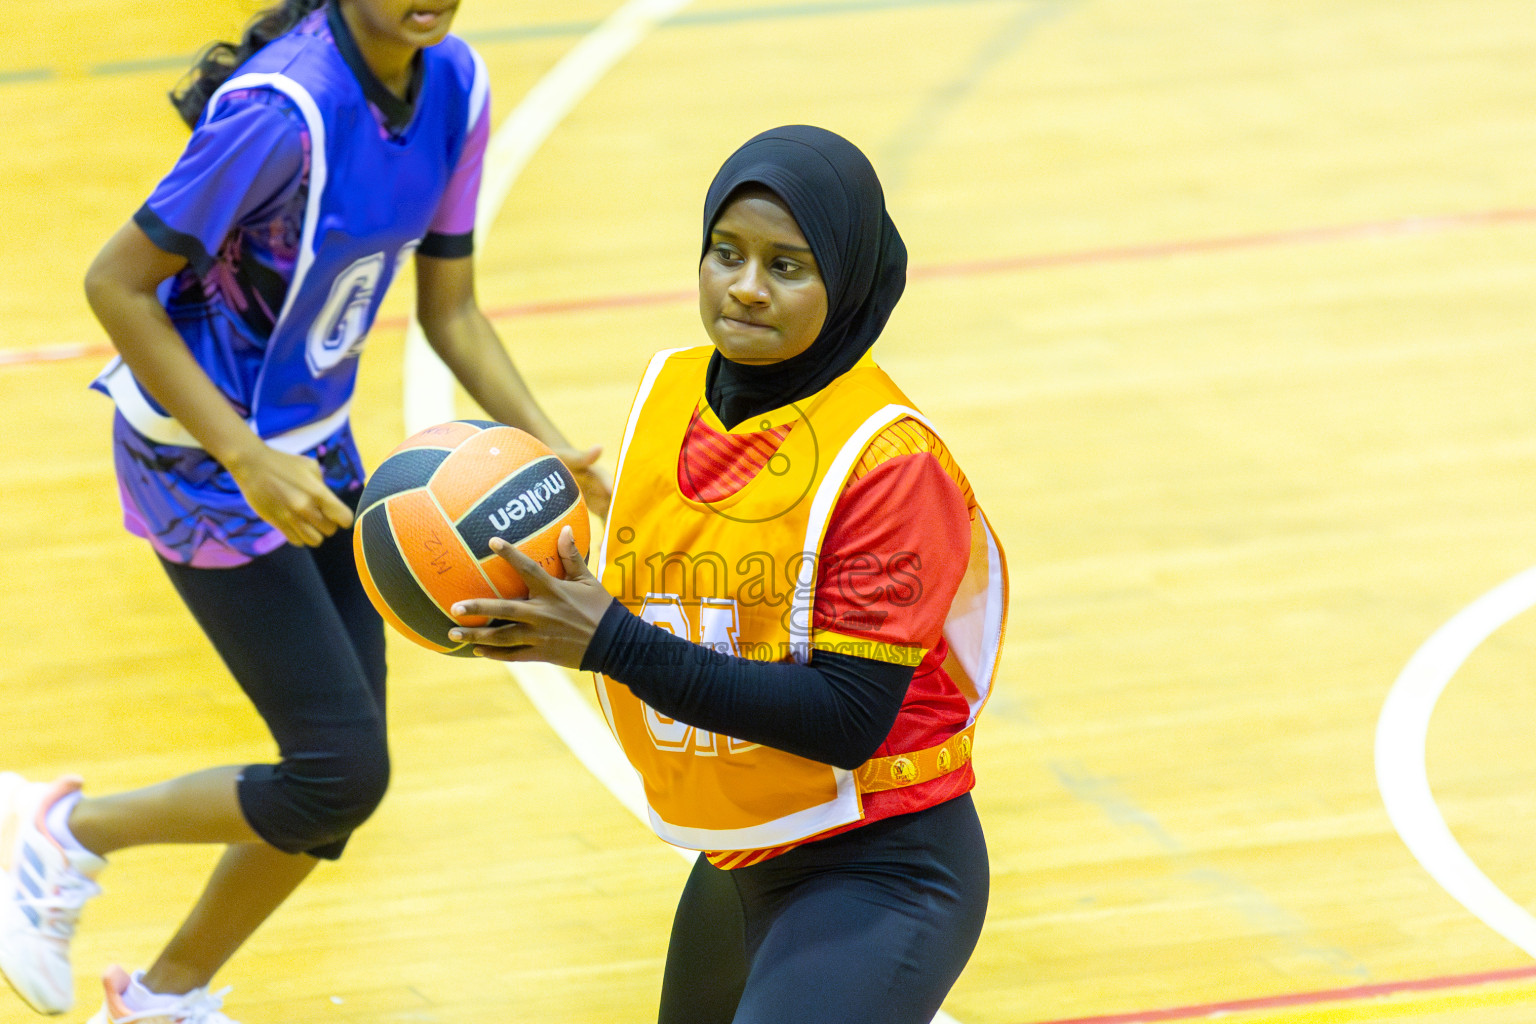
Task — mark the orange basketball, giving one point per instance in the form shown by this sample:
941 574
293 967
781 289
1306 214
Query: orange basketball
427 516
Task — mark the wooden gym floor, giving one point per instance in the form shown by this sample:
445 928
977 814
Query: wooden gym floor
1226 308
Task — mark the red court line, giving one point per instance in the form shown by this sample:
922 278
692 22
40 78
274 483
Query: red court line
51 354
568 306
1267 239
1117 254
1355 993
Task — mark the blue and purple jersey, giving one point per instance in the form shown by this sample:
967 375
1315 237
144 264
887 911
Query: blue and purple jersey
302 191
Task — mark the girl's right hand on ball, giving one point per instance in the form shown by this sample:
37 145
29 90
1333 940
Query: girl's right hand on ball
289 492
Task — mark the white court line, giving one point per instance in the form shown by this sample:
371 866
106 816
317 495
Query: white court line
581 728
1401 734
428 396
428 383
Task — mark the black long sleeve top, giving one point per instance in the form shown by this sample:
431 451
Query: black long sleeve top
836 709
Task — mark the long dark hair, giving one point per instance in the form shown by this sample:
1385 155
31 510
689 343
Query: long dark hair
218 60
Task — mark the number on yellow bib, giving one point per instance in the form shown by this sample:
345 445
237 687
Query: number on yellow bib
716 629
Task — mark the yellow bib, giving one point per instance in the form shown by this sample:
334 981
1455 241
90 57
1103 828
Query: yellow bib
739 574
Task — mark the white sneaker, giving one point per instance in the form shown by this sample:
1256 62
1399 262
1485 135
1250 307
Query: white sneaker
196 1007
42 888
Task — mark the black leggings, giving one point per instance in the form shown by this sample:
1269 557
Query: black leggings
296 629
872 926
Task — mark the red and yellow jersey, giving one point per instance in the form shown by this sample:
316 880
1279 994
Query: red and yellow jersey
780 537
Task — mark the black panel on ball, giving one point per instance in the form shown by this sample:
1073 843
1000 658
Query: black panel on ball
393 579
402 471
522 505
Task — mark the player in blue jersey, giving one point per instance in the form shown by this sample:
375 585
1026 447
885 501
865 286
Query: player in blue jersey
331 144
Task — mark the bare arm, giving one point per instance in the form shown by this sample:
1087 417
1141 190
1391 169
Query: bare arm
464 339
287 491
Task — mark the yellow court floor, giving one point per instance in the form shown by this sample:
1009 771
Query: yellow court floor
1226 307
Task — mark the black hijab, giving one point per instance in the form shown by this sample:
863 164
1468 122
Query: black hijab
832 192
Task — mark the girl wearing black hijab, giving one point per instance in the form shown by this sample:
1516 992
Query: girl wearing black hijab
796 620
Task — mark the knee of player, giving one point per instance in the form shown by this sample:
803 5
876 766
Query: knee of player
345 790
366 784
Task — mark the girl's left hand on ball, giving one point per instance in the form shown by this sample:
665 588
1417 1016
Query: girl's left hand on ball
554 623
